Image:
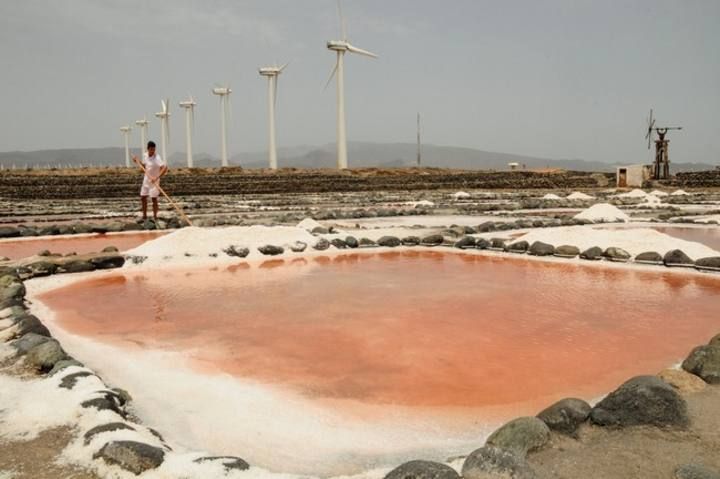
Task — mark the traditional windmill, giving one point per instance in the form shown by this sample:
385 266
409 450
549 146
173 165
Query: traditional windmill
661 167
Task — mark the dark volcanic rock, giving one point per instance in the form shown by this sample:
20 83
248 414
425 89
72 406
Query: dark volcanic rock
271 250
411 240
517 247
112 426
69 381
704 361
338 243
677 258
649 257
9 232
367 243
389 241
31 324
538 248
108 261
65 363
432 240
351 242
321 245
465 242
616 254
695 471
104 403
27 342
45 355
229 462
132 456
521 435
11 288
643 400
486 227
593 254
567 251
237 251
497 243
482 243
566 415
423 470
320 230
712 263
491 462
76 266
298 247
41 268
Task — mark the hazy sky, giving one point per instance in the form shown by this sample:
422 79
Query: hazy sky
560 79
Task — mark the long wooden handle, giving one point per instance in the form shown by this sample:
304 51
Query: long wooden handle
175 205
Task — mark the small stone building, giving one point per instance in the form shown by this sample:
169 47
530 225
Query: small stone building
633 175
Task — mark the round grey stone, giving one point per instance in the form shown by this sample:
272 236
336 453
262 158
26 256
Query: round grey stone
271 250
518 247
567 251
491 462
132 456
649 257
704 361
521 435
389 241
710 264
321 245
677 257
538 248
433 240
566 415
423 470
594 253
616 254
45 355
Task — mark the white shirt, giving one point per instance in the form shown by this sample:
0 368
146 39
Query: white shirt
152 165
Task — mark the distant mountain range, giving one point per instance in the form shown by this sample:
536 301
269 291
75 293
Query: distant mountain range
383 155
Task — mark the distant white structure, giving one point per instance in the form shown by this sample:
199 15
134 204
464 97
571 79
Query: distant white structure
189 106
340 47
164 117
143 125
513 166
224 94
633 175
126 133
272 74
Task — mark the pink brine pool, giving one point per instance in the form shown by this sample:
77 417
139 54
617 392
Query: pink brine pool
16 249
416 329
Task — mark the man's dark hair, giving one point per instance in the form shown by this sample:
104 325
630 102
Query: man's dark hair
151 144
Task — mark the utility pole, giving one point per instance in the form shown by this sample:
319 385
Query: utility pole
418 140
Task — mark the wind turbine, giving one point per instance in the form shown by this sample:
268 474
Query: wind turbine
340 47
143 125
189 106
164 116
224 94
126 133
272 74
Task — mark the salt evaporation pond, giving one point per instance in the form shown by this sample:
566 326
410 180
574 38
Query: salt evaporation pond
16 249
342 364
707 235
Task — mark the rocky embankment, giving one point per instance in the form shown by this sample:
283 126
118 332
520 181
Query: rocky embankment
99 183
696 179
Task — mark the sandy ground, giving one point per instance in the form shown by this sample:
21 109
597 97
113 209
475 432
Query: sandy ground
639 452
35 459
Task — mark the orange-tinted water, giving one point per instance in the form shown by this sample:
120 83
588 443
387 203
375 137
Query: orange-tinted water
15 249
410 328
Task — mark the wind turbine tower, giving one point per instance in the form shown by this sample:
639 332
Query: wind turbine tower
126 133
164 117
143 125
272 74
340 47
189 106
224 94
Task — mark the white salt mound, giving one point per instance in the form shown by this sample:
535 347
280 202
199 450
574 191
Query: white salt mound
658 193
551 196
193 243
577 195
679 193
460 195
636 193
308 224
602 212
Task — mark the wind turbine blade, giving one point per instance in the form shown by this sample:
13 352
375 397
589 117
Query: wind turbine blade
360 51
343 27
283 67
332 75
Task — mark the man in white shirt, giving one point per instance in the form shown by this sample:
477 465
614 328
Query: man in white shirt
155 168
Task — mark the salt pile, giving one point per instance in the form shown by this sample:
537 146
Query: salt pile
193 242
636 193
551 196
577 195
634 241
679 193
602 212
308 224
658 193
460 195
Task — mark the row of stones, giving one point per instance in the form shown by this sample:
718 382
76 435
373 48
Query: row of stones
22 231
36 349
641 401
